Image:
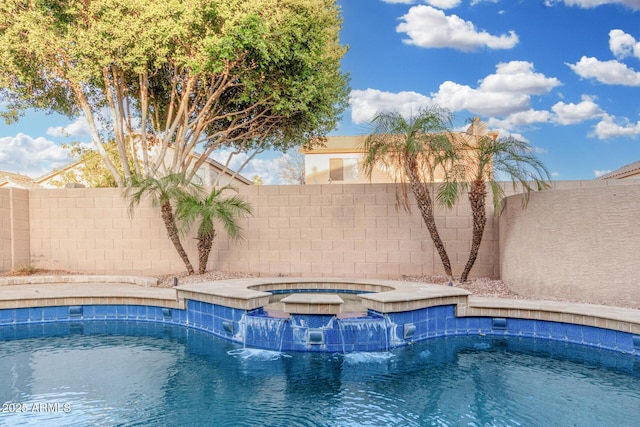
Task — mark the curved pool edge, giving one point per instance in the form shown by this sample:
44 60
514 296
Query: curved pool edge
582 323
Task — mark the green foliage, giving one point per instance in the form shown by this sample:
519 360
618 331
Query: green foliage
480 158
403 147
26 269
207 210
211 208
161 190
412 150
251 74
476 161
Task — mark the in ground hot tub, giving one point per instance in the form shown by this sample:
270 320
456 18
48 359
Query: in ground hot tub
314 316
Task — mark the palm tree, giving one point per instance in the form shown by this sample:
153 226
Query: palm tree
213 207
478 158
163 191
411 150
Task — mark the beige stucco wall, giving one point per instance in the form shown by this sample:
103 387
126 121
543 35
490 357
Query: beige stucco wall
320 230
317 169
581 240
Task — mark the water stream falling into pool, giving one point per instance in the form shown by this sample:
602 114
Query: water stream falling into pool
260 329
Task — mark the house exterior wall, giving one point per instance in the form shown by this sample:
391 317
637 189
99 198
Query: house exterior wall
318 170
581 241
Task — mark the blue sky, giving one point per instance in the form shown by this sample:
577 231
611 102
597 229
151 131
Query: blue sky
563 75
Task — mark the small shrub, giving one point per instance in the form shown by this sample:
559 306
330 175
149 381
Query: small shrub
26 269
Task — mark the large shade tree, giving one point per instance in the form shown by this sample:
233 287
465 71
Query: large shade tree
479 158
164 79
177 75
412 151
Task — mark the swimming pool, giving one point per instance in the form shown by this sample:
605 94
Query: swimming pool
144 373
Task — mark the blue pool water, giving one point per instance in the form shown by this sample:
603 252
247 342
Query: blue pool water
109 373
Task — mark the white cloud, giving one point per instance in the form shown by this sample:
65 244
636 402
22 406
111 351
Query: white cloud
609 128
599 173
518 77
365 104
588 4
428 27
608 72
458 97
521 119
623 45
490 98
237 160
475 2
569 114
442 4
78 128
31 156
506 92
267 169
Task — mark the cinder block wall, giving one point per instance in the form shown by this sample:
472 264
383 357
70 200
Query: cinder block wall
90 230
320 230
581 240
351 230
5 229
14 228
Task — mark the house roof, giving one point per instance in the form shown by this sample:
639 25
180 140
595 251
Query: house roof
216 165
623 172
10 179
338 144
220 167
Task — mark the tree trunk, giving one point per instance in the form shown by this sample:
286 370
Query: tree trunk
205 243
425 204
477 198
172 232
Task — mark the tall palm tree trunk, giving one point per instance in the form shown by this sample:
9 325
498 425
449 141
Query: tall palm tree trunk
172 232
477 199
425 204
205 243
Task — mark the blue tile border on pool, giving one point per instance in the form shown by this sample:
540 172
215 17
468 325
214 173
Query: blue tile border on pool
326 333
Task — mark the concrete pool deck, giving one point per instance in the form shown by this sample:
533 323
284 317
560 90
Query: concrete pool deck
22 292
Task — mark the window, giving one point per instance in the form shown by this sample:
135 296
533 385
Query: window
343 169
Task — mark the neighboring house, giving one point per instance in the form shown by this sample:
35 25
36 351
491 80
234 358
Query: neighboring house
340 160
208 173
16 180
630 171
211 169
